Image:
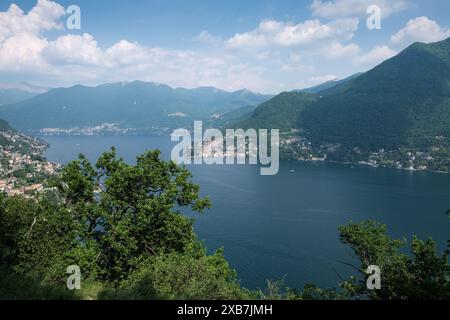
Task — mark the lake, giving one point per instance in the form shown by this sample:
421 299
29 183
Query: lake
285 226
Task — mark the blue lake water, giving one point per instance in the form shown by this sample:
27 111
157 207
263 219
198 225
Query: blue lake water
285 226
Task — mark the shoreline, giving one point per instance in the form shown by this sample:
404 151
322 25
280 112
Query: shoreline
42 137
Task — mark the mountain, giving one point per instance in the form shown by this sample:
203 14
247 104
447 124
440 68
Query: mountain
4 126
284 110
401 106
11 93
140 105
228 119
9 96
281 112
405 101
22 86
328 85
23 168
13 141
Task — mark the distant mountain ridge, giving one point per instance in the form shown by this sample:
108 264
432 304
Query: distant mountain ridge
137 104
10 96
16 92
11 93
23 86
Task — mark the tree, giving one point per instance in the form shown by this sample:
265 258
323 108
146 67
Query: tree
131 211
122 225
423 274
181 276
33 233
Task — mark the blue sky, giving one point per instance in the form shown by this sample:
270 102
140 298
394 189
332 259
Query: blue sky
265 46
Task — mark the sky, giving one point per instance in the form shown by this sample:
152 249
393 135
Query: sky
264 46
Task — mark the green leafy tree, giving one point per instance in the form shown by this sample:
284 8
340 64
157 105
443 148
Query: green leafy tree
181 276
422 274
131 211
33 233
123 225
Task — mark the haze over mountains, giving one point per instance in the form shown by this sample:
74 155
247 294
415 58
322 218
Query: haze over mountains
15 92
9 96
137 104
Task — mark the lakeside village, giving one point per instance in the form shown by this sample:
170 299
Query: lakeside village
106 129
435 157
23 169
295 147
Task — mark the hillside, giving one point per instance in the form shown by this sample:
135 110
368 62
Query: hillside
23 169
397 114
4 126
402 102
17 142
138 105
281 112
327 86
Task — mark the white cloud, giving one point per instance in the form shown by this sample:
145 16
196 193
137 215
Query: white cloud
336 50
310 32
71 59
43 17
298 68
354 8
207 38
128 53
420 29
22 52
274 56
21 44
376 56
247 40
75 49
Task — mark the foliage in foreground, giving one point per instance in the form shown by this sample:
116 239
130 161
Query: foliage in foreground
423 274
122 225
